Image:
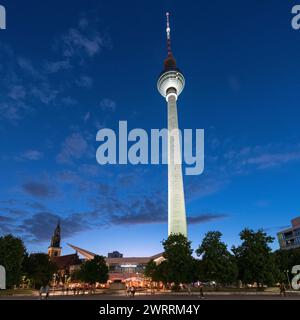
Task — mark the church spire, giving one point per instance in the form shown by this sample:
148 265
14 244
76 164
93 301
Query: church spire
55 241
54 249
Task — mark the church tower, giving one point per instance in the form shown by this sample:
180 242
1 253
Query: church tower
54 250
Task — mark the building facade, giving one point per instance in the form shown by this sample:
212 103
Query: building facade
290 238
123 269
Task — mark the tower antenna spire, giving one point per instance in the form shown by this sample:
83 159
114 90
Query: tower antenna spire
168 30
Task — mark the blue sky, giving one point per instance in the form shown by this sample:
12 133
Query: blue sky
70 68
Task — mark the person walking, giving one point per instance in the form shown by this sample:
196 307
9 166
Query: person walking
282 289
132 290
42 289
47 290
201 290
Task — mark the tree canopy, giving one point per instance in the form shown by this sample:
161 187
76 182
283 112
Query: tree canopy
93 271
254 257
217 264
179 264
39 269
12 252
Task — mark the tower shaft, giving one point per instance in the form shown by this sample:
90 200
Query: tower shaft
170 85
176 203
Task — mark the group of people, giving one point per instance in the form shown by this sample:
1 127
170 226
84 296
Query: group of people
131 291
44 292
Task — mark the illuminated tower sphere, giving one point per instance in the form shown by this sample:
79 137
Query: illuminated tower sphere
170 84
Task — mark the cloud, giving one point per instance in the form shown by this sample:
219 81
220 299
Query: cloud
22 203
230 162
145 211
27 66
14 211
17 92
87 116
74 147
69 101
32 155
39 189
4 219
56 66
24 82
207 217
78 42
84 82
44 92
41 225
270 160
108 105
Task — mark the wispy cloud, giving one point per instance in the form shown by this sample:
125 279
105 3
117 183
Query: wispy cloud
84 82
275 159
108 105
31 155
74 147
40 226
39 189
24 82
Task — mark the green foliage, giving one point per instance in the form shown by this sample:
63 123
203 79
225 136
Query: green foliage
39 269
150 269
12 251
93 271
217 264
255 261
179 264
285 260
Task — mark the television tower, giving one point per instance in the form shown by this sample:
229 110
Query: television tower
170 84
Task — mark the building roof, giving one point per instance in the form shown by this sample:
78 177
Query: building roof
87 254
66 261
137 260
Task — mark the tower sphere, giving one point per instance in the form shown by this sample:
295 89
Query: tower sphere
170 82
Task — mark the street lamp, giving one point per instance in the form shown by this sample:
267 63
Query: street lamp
287 275
54 282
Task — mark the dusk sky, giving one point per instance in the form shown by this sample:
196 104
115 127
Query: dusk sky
70 68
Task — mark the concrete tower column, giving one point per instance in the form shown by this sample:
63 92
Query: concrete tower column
170 84
176 203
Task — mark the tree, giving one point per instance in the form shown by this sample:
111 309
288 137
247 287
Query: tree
218 264
12 252
151 270
93 271
255 261
285 260
179 264
39 269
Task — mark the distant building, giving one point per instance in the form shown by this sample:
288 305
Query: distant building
123 269
129 270
115 254
290 238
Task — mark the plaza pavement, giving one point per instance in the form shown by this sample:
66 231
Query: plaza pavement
167 296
